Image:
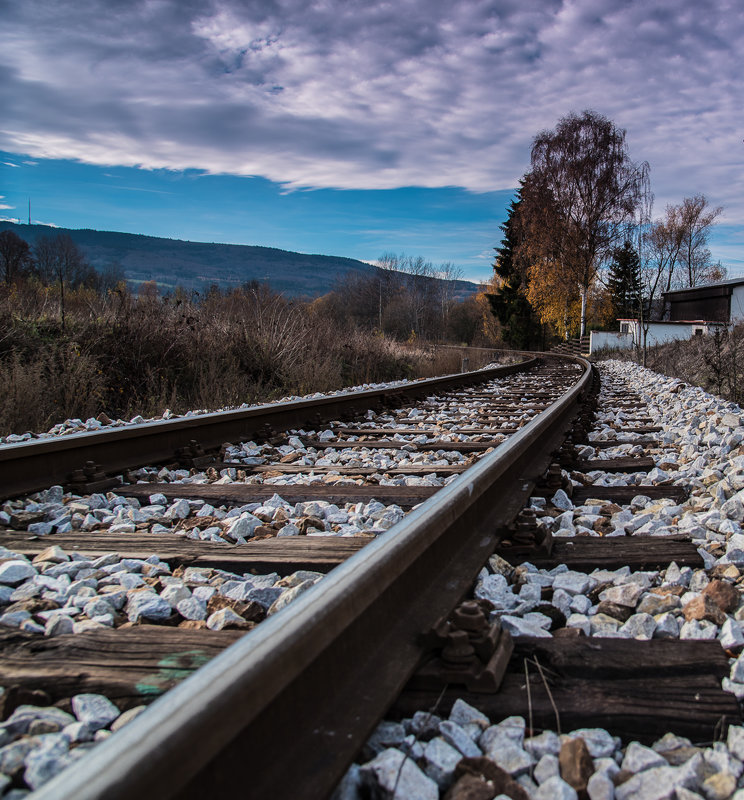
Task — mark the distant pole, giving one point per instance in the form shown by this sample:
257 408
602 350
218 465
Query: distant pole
29 210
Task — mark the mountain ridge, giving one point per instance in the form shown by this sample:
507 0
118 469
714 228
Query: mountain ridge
197 265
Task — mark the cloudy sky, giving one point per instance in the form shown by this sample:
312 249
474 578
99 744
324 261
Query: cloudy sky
354 127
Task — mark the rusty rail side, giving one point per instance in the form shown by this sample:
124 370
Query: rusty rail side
283 711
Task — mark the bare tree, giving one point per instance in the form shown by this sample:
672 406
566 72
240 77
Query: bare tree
447 273
405 295
15 255
680 238
663 245
389 282
421 292
111 277
412 294
696 219
59 260
675 255
659 252
580 197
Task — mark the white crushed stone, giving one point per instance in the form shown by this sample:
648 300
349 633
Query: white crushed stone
620 770
108 592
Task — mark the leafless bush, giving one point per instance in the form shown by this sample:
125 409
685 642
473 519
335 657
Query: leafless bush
54 384
126 354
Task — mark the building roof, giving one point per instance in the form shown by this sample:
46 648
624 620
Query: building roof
671 321
710 289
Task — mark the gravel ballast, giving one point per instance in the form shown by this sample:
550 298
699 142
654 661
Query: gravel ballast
701 447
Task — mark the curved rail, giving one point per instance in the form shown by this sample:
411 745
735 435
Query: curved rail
332 663
35 465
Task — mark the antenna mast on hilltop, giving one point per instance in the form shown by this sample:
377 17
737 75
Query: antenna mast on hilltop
29 210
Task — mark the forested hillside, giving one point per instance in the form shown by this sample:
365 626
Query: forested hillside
197 265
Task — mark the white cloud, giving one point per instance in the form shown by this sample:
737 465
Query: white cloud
361 94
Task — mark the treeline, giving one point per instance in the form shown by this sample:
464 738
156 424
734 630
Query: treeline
54 260
581 245
74 344
411 299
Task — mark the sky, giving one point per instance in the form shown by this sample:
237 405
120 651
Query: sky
354 127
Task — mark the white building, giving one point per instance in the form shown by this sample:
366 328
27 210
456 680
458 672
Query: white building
631 334
690 312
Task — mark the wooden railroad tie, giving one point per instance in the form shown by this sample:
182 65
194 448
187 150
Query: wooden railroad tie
638 429
414 431
284 555
622 495
399 444
627 464
131 666
586 553
635 689
238 494
308 469
645 442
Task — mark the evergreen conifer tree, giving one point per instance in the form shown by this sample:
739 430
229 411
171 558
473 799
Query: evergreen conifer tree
508 304
624 281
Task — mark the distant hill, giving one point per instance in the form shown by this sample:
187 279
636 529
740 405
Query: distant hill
196 265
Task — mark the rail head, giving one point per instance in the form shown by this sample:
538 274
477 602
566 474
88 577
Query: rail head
331 662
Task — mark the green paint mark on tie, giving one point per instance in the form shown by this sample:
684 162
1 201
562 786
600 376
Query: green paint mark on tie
172 670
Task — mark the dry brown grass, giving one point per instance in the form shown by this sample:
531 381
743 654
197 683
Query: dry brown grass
127 355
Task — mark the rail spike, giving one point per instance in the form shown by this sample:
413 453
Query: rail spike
193 456
90 479
468 651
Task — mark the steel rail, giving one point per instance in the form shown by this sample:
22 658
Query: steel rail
332 663
37 464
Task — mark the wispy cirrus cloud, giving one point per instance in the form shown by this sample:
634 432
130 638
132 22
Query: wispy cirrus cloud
360 94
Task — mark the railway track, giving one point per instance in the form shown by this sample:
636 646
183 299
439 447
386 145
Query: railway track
329 665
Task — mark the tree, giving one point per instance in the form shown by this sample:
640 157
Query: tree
389 284
465 321
110 278
678 244
509 303
675 255
447 273
662 243
15 255
59 260
696 219
554 294
579 200
413 298
624 281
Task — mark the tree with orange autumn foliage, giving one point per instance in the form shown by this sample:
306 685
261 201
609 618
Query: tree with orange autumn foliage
553 293
578 202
